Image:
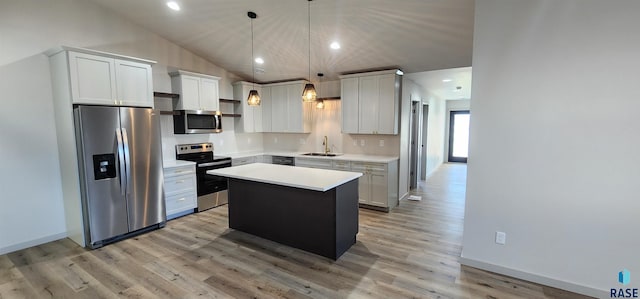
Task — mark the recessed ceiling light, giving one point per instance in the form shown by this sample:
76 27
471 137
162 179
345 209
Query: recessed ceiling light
446 80
399 72
173 5
335 45
259 60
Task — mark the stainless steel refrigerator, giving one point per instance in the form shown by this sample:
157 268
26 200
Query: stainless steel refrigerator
120 161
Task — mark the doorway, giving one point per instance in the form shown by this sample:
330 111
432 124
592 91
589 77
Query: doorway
413 167
459 136
423 147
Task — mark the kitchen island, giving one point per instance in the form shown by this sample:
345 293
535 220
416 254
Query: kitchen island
315 210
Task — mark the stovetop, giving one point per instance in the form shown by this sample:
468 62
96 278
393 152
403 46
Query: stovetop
198 152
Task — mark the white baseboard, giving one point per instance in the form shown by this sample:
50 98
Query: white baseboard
31 243
403 197
576 288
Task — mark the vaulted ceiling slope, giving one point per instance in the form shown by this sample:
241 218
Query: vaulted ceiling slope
414 35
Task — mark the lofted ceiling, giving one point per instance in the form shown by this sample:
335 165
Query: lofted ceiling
413 35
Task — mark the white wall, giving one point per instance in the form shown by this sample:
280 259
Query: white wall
32 210
31 197
554 143
436 132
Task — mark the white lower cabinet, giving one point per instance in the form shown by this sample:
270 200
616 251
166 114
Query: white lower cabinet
263 159
180 190
378 186
314 163
243 161
341 165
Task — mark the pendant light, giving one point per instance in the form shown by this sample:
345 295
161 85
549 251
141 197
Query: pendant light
320 102
309 92
254 98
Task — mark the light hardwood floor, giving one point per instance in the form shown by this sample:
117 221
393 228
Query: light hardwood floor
411 252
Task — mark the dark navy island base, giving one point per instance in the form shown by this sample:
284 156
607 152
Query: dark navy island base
324 223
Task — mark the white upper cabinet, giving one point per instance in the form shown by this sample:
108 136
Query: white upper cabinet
350 109
250 120
266 103
108 79
368 105
134 84
288 113
197 91
371 103
279 102
93 79
209 94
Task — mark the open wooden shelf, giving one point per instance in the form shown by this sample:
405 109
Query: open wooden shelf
231 115
229 101
328 99
165 95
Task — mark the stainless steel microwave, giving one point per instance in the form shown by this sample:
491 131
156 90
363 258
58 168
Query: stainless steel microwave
197 122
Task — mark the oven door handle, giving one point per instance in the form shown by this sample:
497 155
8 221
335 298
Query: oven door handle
214 164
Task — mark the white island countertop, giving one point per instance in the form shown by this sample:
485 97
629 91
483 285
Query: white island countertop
290 176
166 164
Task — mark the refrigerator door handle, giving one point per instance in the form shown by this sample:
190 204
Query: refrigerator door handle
127 158
121 160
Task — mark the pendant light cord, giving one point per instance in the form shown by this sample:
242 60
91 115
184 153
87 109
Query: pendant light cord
253 68
309 18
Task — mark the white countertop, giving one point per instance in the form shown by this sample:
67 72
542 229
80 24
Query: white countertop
345 157
354 157
166 164
290 176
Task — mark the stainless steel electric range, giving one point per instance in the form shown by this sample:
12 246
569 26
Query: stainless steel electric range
212 190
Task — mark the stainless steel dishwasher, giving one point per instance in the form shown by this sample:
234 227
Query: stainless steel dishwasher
283 160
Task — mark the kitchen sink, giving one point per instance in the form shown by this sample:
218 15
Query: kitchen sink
321 154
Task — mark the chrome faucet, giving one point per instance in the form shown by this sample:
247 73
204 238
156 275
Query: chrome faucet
325 142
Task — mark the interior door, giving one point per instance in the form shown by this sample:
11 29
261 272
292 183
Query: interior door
102 185
413 167
145 192
423 146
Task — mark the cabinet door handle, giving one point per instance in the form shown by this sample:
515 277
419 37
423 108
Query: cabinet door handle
182 199
180 182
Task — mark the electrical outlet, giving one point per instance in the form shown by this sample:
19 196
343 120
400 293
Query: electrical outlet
275 139
355 142
302 141
221 141
249 140
361 142
381 143
501 238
